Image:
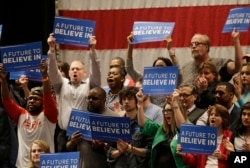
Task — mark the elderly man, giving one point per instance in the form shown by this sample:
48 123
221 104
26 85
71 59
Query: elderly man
200 47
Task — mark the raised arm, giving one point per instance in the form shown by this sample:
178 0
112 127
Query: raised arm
171 50
129 61
95 73
178 110
234 67
50 107
53 71
140 113
5 94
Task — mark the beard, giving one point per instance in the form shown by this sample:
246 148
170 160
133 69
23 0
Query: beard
35 110
196 54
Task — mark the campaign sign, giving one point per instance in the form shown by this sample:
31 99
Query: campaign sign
239 159
59 160
99 127
73 31
31 75
1 27
238 18
151 31
198 139
21 57
159 80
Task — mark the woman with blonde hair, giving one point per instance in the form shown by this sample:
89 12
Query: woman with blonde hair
36 149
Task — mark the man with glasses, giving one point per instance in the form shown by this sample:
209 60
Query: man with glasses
200 47
188 94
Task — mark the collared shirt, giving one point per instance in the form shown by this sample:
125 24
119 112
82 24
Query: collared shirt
68 95
191 109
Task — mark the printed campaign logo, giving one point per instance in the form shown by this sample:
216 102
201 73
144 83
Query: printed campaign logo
238 18
1 27
159 80
198 139
21 57
73 31
60 160
151 31
99 127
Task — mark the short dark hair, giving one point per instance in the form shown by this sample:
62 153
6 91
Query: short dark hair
129 91
166 60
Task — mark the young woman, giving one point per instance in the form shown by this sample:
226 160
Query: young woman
218 116
242 85
36 149
165 135
241 137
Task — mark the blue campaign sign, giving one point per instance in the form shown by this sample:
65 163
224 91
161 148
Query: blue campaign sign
96 126
21 57
63 160
159 80
238 18
1 27
32 75
151 31
73 31
198 139
79 121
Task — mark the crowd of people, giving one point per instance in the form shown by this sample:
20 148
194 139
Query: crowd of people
211 92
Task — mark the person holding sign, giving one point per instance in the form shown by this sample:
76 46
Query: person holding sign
36 149
165 135
159 62
73 93
136 153
92 153
218 116
240 141
37 121
200 47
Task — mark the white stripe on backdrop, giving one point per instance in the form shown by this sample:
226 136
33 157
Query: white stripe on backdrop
136 4
145 57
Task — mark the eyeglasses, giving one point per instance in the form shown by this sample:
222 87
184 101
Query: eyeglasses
196 43
93 98
184 95
167 110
